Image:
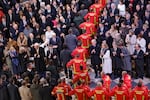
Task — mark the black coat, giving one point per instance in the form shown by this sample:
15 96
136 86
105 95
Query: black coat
3 92
65 56
45 93
95 59
13 92
39 61
117 60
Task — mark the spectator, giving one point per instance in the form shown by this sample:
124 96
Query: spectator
22 40
13 90
139 61
94 54
106 59
130 41
71 40
24 91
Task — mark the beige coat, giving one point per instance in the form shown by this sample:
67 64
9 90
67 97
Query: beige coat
25 93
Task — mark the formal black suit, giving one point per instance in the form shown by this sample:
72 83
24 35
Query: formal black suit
117 61
13 92
139 63
39 59
95 59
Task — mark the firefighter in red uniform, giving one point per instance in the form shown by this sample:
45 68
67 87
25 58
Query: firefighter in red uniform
92 17
97 8
67 88
120 92
83 53
59 91
99 93
89 27
106 80
76 63
80 91
127 79
82 76
85 39
140 92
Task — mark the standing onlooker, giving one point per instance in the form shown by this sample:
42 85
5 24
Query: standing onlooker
125 55
24 91
106 59
94 53
34 88
65 56
13 90
71 40
116 60
122 8
130 41
14 60
142 42
139 61
148 60
38 53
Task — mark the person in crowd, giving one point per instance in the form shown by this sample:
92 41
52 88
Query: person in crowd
138 56
71 40
148 60
94 54
127 80
24 91
45 90
34 88
65 56
117 62
15 61
126 58
130 41
22 40
38 53
13 90
106 59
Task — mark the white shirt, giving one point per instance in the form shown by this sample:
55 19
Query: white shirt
142 43
122 9
49 35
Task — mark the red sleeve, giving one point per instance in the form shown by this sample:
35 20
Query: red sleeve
86 16
76 78
73 53
91 93
71 92
69 64
53 91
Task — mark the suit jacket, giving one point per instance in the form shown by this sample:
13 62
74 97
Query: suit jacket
13 92
140 58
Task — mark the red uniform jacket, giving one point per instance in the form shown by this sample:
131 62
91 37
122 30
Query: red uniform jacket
103 2
76 63
60 92
140 93
127 80
93 17
97 8
83 53
89 27
1 15
100 93
82 76
120 93
66 86
107 81
85 39
80 92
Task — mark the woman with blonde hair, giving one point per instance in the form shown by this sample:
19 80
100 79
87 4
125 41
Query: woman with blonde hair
14 60
106 59
22 40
